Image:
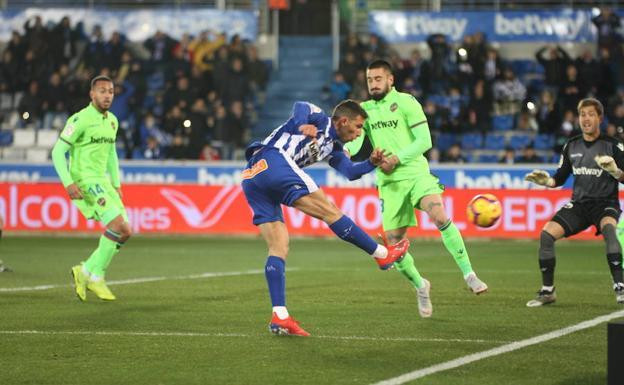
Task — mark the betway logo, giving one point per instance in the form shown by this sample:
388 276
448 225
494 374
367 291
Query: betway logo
532 24
222 179
495 180
587 171
425 25
207 217
102 139
385 124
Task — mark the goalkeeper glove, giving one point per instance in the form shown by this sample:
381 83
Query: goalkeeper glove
540 177
607 163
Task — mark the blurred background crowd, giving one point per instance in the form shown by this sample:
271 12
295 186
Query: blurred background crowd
199 97
193 98
474 98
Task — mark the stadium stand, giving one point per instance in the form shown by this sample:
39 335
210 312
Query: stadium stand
485 99
184 94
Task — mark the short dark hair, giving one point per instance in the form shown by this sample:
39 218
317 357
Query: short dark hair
349 108
100 78
591 102
379 63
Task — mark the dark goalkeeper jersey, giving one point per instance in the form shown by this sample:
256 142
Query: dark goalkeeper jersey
590 181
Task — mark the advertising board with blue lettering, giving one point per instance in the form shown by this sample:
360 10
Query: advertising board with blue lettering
227 174
544 26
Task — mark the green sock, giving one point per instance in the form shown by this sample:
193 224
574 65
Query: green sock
407 268
454 243
100 259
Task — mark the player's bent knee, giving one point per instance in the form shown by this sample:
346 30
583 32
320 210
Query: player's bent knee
125 235
319 207
124 232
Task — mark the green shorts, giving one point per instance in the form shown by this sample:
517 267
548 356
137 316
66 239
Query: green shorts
101 201
398 200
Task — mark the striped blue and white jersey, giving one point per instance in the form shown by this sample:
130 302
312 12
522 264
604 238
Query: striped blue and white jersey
302 149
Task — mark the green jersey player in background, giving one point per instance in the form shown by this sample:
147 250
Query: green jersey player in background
89 137
398 125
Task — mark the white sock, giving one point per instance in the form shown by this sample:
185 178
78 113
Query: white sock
472 273
280 311
548 288
380 252
95 278
85 271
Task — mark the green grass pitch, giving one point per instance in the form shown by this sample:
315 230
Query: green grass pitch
184 329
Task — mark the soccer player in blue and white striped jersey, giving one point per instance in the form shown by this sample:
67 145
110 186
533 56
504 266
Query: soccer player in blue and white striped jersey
274 176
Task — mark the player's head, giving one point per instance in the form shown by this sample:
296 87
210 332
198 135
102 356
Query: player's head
379 78
102 92
590 112
348 118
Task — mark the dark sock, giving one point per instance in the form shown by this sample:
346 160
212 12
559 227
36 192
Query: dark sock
348 231
615 265
274 271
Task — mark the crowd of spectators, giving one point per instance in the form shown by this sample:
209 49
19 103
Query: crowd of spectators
193 98
462 88
197 97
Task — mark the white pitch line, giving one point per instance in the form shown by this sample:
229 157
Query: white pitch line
416 374
142 280
412 339
196 334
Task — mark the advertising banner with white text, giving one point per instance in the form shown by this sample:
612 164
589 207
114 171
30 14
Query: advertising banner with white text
193 209
559 25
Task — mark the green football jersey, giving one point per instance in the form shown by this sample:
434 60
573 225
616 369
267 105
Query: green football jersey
398 125
91 135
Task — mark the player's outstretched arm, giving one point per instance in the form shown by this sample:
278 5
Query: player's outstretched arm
346 167
540 177
60 165
608 164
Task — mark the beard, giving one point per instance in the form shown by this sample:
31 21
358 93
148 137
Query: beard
102 106
379 94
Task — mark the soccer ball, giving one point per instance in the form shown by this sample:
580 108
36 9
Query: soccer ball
484 210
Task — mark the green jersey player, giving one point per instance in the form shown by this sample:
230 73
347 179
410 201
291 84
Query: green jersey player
398 125
89 137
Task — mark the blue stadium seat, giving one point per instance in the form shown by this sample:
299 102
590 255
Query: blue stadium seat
488 158
494 142
502 122
439 100
520 141
121 153
522 66
471 141
544 142
137 153
6 138
444 141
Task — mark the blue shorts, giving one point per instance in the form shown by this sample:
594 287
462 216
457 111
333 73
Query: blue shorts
272 178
